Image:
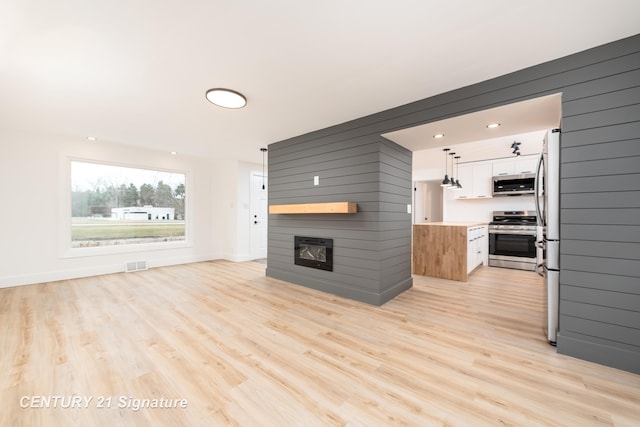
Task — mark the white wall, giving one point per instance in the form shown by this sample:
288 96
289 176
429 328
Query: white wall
480 210
34 192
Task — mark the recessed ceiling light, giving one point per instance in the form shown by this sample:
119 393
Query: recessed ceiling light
226 98
173 153
493 125
439 135
91 138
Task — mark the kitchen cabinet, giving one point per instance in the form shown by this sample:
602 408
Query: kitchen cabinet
477 245
515 166
475 179
448 250
526 164
503 167
465 177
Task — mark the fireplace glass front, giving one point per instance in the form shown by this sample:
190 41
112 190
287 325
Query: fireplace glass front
313 252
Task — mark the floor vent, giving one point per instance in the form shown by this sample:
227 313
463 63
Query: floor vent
135 266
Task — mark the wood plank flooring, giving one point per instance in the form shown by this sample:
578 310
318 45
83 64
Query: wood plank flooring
246 350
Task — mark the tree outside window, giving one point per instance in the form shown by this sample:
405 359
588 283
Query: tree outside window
115 205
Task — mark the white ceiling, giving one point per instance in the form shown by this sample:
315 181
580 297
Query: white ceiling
470 138
136 72
521 117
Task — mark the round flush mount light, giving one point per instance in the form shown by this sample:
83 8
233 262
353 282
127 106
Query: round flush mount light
91 138
493 125
438 135
226 98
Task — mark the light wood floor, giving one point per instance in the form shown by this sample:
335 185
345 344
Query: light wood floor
247 350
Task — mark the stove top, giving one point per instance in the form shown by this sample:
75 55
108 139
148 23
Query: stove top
522 221
507 219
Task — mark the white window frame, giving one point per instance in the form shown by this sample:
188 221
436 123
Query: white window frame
65 248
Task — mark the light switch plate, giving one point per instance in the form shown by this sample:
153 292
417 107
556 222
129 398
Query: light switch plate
408 209
316 180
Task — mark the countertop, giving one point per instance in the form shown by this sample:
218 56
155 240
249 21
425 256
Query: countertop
455 224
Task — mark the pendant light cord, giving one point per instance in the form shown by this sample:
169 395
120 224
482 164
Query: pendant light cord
446 182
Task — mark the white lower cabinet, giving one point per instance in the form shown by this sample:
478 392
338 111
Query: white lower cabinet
476 246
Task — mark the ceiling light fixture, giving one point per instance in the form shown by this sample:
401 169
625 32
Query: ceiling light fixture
438 135
173 153
458 185
493 125
453 180
91 138
446 182
226 98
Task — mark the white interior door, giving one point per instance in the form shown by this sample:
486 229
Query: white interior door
259 216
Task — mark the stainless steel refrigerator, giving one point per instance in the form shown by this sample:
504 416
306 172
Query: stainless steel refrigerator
548 210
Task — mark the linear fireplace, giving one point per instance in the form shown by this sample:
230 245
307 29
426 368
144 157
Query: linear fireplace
314 252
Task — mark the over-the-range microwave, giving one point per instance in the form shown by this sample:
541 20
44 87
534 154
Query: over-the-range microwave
514 185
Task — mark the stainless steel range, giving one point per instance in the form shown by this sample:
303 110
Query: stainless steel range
512 240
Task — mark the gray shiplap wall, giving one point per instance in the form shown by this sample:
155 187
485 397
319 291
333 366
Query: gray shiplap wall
600 191
372 248
600 215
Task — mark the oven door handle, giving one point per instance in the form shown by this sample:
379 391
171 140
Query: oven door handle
541 270
518 232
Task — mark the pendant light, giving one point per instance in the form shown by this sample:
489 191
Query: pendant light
458 185
446 182
264 150
453 180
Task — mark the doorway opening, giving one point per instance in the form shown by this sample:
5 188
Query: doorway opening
427 201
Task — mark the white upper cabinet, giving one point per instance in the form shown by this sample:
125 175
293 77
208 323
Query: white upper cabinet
526 164
465 177
475 179
482 181
503 167
515 166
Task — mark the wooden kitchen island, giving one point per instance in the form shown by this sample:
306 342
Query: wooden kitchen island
449 250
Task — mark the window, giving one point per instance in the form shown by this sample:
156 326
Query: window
115 205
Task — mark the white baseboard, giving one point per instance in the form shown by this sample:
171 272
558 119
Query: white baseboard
238 257
76 273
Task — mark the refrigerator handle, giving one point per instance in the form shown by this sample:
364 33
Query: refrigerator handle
536 187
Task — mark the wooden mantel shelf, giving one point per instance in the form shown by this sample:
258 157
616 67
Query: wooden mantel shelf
315 208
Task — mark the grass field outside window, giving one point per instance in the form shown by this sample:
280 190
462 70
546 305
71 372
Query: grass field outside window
117 205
